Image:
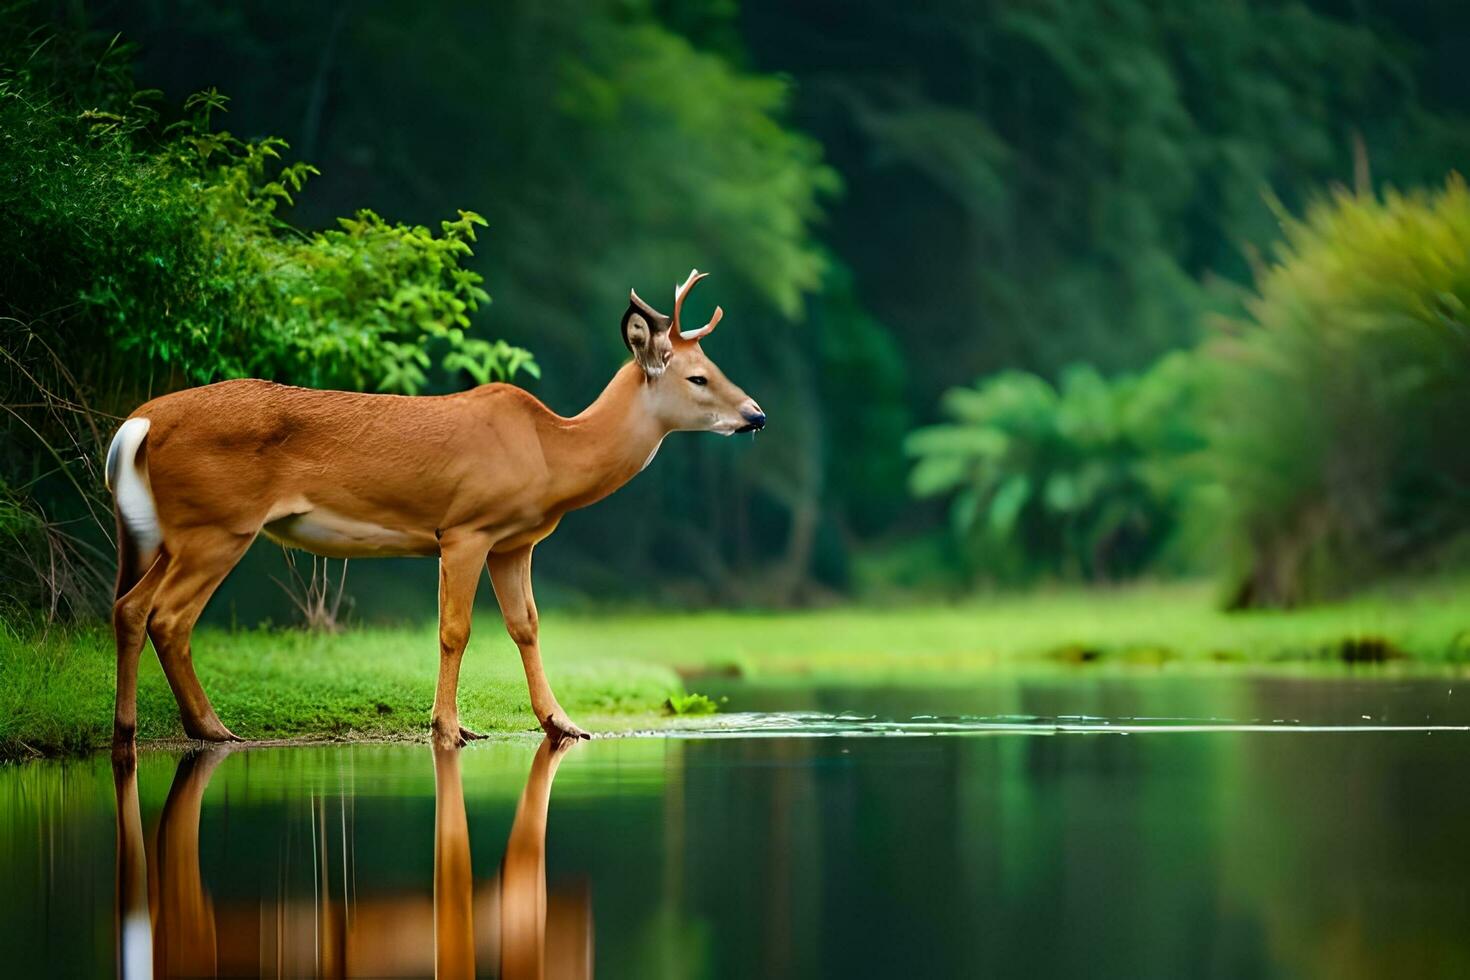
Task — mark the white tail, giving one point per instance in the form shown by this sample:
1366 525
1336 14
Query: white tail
133 497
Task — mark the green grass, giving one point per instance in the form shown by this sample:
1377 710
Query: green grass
619 671
1426 621
56 690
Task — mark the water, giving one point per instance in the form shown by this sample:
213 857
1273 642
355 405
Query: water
1066 825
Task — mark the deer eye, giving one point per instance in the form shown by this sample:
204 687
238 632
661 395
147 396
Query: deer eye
699 379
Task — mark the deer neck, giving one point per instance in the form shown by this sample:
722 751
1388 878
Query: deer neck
592 454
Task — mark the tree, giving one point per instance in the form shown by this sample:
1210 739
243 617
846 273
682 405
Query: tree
1032 184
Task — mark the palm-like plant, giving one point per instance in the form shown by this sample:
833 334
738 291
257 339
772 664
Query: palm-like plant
1084 478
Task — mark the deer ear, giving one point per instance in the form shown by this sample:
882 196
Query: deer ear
646 334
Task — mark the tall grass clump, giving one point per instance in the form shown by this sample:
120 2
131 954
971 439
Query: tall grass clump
1341 428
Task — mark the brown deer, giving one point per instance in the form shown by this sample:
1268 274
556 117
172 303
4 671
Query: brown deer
475 478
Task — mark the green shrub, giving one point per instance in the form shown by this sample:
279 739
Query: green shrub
690 704
140 257
1084 479
1344 395
164 246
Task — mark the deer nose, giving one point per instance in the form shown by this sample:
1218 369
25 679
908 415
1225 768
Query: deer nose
755 419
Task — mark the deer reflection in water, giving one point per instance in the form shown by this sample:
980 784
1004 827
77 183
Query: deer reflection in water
167 924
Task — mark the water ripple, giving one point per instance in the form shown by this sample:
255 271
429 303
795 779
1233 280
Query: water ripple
812 724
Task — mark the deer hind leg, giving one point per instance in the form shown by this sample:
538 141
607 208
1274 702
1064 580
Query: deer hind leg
460 561
130 627
200 559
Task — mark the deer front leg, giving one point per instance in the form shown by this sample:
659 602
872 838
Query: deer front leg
510 573
459 576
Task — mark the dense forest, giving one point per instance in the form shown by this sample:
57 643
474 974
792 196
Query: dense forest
1029 290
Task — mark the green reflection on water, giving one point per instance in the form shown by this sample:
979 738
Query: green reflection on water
1161 855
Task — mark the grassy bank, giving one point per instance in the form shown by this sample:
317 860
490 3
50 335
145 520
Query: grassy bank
616 671
56 689
1422 621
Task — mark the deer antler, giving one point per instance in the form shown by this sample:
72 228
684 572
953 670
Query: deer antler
680 292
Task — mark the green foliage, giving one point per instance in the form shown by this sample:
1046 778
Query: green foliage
165 245
717 149
22 530
1344 394
1038 182
140 257
861 384
690 704
1081 479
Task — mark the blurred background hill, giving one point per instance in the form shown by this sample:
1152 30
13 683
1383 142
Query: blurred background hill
1031 291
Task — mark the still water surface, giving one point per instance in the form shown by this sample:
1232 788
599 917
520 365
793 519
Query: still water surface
1067 825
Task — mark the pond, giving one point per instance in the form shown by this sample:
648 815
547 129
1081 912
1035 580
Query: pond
1069 824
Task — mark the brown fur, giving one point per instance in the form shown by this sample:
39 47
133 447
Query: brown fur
476 478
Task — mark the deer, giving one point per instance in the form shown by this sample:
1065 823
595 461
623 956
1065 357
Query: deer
476 479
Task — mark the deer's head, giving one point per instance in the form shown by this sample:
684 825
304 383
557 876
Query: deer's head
687 391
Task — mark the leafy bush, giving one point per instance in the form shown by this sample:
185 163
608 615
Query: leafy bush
1084 479
141 257
690 704
1345 394
165 246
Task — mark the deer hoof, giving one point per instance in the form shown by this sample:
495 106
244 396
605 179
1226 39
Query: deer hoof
124 748
447 736
465 735
211 731
560 729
